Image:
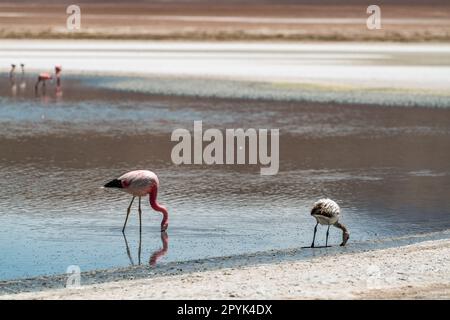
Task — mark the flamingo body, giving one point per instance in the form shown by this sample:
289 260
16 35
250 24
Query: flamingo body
139 182
326 211
44 76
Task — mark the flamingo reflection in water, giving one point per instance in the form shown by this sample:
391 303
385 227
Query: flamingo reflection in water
158 254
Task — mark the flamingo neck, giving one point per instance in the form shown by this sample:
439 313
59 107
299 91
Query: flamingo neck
341 226
156 206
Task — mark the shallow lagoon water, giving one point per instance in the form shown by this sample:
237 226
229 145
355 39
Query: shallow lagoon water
388 167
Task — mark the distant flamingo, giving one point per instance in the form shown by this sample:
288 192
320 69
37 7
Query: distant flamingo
327 212
12 80
43 77
58 70
12 73
139 183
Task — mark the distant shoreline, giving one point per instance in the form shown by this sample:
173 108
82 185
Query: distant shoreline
225 36
229 21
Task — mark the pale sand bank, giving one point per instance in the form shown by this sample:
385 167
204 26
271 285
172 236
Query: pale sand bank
420 270
335 66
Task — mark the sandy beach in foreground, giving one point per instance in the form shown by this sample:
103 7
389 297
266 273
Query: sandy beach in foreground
419 271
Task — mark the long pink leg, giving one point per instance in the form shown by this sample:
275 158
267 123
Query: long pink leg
140 216
140 232
128 213
140 246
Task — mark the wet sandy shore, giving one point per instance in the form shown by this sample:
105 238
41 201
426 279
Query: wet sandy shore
419 271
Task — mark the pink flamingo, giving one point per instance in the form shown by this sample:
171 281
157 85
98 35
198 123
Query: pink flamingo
11 73
58 70
44 76
139 183
12 80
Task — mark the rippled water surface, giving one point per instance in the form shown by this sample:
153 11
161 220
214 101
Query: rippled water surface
388 167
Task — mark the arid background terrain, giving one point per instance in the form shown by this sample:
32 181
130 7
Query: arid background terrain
229 20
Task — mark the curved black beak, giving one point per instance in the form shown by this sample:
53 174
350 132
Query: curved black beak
113 184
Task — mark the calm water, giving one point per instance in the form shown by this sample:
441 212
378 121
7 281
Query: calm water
388 167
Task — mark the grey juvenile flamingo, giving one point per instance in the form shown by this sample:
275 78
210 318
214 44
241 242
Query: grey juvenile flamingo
327 212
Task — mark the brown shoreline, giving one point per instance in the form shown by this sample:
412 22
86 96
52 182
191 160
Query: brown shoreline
198 20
